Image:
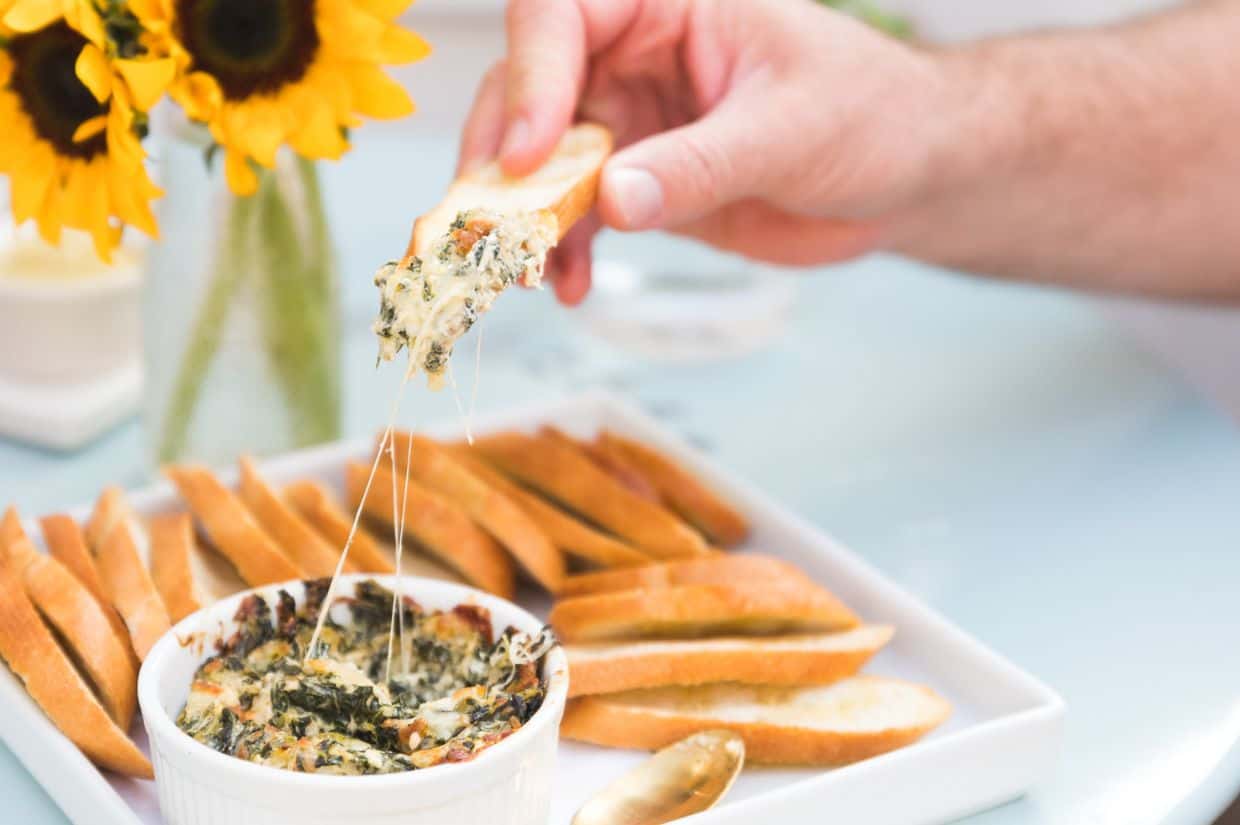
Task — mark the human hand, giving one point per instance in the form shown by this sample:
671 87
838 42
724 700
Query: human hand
772 128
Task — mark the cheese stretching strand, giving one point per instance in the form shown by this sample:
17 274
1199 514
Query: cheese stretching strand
427 303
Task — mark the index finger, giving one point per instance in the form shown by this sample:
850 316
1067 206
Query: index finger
549 43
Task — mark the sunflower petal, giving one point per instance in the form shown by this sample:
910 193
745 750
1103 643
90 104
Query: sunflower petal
240 175
200 95
28 189
31 15
84 18
398 45
87 129
319 136
93 70
147 79
385 9
6 68
374 93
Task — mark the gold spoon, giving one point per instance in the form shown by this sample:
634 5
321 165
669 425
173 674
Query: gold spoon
684 778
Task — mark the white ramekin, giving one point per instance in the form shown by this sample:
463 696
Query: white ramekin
507 784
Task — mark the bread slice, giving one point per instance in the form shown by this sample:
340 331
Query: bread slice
437 524
566 186
188 575
568 476
772 660
51 680
762 607
838 724
688 496
495 512
122 556
316 505
615 464
568 533
10 529
300 542
67 544
714 569
231 528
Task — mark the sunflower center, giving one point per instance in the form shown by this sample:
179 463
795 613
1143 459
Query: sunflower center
50 92
249 46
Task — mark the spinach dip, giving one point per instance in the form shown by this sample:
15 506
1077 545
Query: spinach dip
463 691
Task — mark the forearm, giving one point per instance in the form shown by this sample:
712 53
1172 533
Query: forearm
1104 159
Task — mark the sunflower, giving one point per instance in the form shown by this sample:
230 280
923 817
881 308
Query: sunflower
72 98
267 73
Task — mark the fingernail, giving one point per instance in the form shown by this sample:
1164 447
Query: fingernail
638 195
516 138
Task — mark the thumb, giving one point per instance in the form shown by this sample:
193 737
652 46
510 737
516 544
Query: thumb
685 173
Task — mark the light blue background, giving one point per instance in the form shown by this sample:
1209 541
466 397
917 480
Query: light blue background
1001 451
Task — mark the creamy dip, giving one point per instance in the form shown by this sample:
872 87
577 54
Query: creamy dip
427 303
336 714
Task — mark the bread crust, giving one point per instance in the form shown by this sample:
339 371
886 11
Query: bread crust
571 535
610 461
67 544
51 680
69 607
713 569
569 477
776 660
130 588
437 524
299 541
172 539
682 491
231 528
495 512
602 720
767 607
316 506
10 529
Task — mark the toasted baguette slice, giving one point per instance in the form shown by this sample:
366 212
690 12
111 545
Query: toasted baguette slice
232 529
568 533
495 512
300 541
682 491
10 529
122 557
437 524
566 186
67 544
51 680
69 607
188 575
714 569
610 462
763 607
772 660
565 474
833 725
316 506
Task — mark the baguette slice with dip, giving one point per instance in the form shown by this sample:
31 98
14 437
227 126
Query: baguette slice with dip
122 556
32 654
571 535
817 659
188 575
436 468
231 528
436 524
838 724
765 607
299 540
713 569
566 475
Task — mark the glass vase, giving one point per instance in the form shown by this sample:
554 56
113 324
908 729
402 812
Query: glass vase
241 312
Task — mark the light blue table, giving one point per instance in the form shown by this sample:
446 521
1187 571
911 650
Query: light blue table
1000 451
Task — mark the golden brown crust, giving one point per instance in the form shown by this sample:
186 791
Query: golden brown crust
110 509
682 491
296 538
172 542
69 607
10 529
579 200
130 588
764 607
316 505
610 461
495 512
232 529
777 660
713 569
615 720
569 477
437 524
51 680
571 535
